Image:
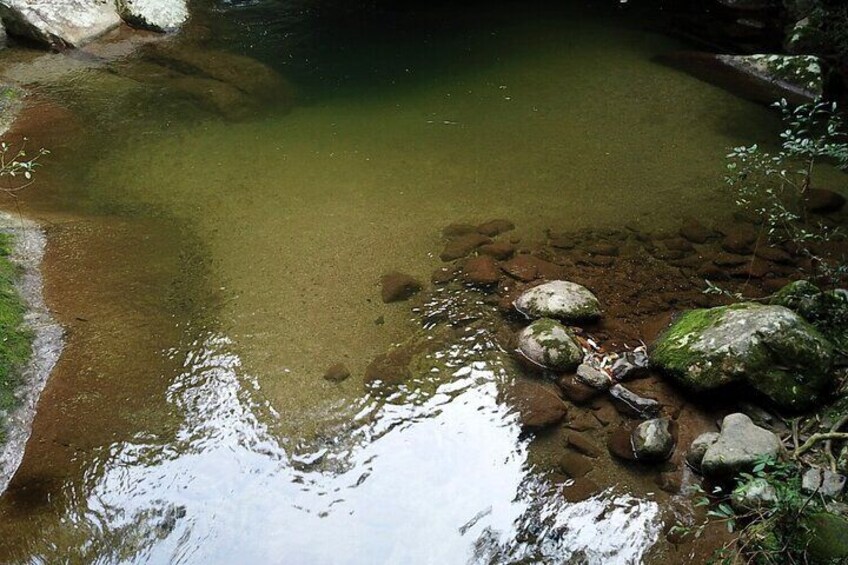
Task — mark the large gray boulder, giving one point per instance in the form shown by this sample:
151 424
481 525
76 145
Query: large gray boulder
739 446
157 15
59 24
771 348
563 300
549 344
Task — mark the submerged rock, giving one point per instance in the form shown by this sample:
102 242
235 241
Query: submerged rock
574 464
696 232
156 15
549 344
481 271
562 300
462 245
620 444
495 227
337 373
499 250
243 73
398 286
538 406
59 24
739 447
577 391
653 440
769 347
584 445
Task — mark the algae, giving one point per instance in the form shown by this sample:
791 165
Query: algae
15 338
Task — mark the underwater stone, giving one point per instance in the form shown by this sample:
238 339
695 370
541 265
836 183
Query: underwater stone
538 406
495 227
398 286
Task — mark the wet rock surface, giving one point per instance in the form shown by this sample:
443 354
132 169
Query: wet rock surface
578 430
631 404
632 365
593 377
653 440
563 300
547 343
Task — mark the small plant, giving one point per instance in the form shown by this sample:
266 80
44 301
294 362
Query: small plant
17 167
774 187
772 531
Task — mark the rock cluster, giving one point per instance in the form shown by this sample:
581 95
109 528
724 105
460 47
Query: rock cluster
61 24
566 382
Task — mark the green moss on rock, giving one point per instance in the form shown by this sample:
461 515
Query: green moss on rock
15 338
771 348
828 538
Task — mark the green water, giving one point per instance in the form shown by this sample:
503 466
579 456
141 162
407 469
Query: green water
243 259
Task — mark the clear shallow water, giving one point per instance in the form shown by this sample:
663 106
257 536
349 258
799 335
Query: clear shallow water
210 271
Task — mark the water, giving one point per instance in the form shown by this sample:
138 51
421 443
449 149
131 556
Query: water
208 271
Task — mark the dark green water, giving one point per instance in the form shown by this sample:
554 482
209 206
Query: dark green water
239 259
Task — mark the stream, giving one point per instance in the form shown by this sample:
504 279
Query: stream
208 270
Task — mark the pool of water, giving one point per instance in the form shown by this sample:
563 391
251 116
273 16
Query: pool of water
208 271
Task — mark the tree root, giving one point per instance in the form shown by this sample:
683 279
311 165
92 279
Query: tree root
815 438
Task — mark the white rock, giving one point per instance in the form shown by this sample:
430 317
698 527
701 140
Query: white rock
158 15
59 23
562 300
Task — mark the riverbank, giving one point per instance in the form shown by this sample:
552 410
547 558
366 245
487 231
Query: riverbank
31 340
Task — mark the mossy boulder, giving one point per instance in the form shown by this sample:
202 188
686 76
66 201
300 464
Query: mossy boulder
769 347
828 538
826 310
562 300
549 344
